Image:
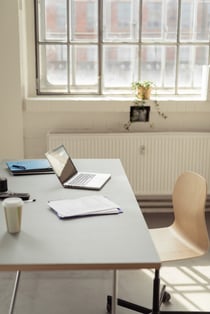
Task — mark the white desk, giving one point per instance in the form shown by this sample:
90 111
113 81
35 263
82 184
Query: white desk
101 242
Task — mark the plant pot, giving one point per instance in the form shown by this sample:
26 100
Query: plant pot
144 93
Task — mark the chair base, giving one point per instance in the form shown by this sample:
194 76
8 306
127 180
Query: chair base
126 304
144 310
158 298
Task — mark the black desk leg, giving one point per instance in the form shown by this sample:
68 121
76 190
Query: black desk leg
156 293
138 308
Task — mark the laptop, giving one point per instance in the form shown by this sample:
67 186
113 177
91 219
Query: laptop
68 174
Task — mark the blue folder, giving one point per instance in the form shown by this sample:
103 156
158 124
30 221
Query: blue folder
29 166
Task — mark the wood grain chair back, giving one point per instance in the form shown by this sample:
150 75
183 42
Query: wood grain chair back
189 198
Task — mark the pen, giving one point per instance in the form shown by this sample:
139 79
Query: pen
30 201
19 167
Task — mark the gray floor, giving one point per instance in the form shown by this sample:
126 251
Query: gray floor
85 292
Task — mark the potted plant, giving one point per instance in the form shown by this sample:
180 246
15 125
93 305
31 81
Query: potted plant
143 89
140 112
143 92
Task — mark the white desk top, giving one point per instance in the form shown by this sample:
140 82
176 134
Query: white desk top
100 242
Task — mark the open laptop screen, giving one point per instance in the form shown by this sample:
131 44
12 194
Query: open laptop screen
61 163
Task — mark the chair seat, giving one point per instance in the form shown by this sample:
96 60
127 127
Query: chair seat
172 245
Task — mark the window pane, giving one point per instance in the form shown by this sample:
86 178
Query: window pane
53 67
201 58
159 65
169 73
170 27
84 22
186 26
191 61
52 20
152 18
159 20
195 20
185 66
120 66
84 69
120 20
203 18
151 63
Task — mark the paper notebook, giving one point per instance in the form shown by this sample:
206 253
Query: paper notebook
29 166
84 206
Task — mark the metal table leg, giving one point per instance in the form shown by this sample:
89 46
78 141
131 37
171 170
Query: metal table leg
12 303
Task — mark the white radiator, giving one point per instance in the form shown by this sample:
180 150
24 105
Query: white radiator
152 161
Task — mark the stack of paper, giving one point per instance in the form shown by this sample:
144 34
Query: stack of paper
84 206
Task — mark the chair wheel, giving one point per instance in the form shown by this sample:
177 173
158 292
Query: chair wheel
109 304
166 297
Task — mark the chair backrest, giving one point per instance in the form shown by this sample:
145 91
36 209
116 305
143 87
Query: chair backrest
189 199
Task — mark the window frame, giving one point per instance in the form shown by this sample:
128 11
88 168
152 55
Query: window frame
126 91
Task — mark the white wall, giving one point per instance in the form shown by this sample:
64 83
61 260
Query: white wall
43 115
11 121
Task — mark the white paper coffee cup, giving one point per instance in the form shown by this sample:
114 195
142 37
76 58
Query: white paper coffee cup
13 213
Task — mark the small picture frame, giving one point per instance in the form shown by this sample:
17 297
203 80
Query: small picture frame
139 113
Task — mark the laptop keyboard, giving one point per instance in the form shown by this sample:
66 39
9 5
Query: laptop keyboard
82 179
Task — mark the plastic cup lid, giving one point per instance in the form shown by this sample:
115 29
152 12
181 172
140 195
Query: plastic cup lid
12 202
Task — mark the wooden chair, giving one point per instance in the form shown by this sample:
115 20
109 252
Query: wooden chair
187 237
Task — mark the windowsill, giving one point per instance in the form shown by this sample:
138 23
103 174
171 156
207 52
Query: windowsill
111 104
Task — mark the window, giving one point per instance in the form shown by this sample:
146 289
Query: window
93 47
